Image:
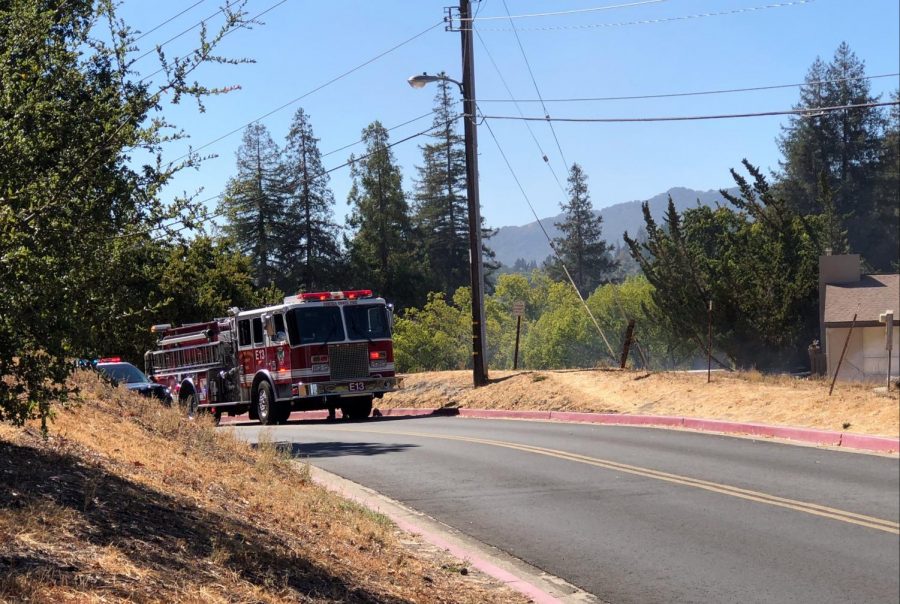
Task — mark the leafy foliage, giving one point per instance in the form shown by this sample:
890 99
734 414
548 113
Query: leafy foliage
757 265
71 200
556 331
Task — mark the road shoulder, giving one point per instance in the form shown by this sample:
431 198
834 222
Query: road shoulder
540 587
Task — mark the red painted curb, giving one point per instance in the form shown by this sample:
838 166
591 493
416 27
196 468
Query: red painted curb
411 412
819 437
616 418
862 442
500 414
870 443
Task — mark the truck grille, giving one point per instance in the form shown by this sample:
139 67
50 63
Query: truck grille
349 361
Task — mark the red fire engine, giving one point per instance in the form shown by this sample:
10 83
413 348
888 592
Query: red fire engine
321 350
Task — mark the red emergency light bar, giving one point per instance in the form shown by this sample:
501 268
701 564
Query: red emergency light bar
339 295
110 360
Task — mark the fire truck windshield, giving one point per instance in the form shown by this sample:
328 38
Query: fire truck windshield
315 325
367 321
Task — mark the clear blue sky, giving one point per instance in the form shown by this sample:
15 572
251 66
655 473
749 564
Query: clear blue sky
304 44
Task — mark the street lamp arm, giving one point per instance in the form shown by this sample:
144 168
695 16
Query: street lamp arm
420 81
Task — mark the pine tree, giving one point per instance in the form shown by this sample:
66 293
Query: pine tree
381 251
308 234
253 203
884 251
847 147
441 211
581 248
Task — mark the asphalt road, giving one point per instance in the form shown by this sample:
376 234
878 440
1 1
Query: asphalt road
637 514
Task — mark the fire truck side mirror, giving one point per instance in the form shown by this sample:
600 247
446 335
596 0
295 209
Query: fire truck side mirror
390 309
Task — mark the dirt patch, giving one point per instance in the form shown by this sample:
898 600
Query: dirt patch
748 397
128 502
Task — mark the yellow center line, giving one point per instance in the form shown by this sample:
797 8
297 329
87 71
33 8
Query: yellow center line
793 504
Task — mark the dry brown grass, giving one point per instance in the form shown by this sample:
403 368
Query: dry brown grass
127 501
747 396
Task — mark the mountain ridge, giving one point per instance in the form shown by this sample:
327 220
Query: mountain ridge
528 242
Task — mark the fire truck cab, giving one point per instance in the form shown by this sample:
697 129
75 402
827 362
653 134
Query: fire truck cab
321 350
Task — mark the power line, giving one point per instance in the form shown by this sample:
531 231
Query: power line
536 88
568 12
736 11
314 90
809 112
232 30
323 173
406 123
519 109
682 94
169 20
77 172
547 235
189 29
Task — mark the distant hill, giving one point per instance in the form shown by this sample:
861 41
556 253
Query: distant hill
528 242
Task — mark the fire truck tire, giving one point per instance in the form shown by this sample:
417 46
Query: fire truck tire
265 404
360 408
282 412
189 404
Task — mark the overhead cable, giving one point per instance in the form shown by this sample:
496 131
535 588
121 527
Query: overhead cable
169 20
319 175
681 94
536 88
519 109
735 11
188 30
312 91
567 12
808 112
230 31
549 240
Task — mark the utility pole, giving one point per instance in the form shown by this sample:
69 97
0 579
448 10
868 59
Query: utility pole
479 363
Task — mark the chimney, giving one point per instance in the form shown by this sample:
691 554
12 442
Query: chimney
843 268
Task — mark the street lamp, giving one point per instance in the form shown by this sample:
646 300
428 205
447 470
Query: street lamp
476 268
420 81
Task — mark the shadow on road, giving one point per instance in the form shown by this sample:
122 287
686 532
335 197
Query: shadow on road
301 418
344 449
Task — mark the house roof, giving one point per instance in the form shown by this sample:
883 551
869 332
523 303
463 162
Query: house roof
868 298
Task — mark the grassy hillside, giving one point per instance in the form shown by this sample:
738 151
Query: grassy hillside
738 396
127 501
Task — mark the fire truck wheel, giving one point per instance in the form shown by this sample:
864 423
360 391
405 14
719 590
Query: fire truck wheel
281 412
189 404
358 410
265 402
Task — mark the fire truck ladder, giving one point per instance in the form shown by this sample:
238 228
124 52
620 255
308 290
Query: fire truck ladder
188 359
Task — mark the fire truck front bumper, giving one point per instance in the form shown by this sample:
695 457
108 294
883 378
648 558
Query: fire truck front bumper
361 387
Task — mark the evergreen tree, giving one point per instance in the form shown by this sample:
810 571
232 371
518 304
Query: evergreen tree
441 202
884 251
756 263
254 202
308 234
581 248
847 147
381 248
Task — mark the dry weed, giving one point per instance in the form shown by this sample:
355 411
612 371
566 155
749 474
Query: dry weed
127 501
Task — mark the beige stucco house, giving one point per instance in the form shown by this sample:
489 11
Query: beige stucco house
843 292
